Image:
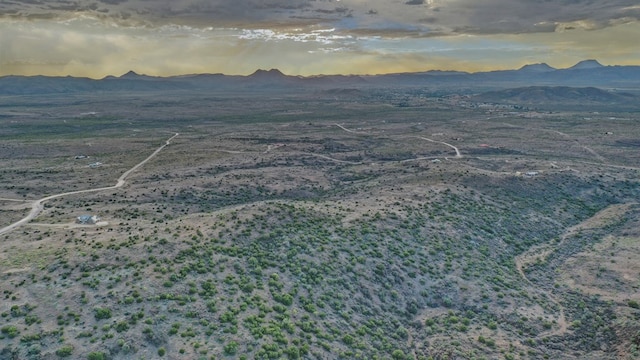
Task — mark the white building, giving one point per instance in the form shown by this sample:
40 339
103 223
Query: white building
87 219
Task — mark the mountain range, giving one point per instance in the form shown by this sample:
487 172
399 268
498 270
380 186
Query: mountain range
588 73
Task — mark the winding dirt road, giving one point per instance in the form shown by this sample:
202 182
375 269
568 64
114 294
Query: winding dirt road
38 205
458 154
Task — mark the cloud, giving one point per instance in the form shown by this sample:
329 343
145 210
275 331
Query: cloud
522 16
162 11
442 16
169 37
321 37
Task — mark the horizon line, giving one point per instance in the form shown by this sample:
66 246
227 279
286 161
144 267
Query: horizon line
259 70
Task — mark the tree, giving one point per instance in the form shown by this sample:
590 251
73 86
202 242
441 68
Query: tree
398 355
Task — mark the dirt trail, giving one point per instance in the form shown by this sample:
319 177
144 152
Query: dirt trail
458 154
541 252
349 130
411 345
14 200
588 149
529 257
333 159
38 205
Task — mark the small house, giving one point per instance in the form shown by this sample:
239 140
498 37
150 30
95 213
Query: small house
87 219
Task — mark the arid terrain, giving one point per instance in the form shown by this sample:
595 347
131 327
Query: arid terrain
351 224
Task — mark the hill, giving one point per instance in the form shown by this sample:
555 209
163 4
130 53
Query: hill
537 68
555 95
587 64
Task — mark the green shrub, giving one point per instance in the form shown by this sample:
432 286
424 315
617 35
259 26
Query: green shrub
31 319
161 351
231 348
348 339
122 326
293 352
102 313
30 338
10 330
65 351
96 355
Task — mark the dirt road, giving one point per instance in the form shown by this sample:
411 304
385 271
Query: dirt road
38 205
347 130
458 154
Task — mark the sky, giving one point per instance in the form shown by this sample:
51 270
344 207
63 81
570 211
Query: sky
96 38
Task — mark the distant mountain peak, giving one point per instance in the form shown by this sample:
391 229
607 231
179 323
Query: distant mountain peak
130 75
273 73
541 67
587 64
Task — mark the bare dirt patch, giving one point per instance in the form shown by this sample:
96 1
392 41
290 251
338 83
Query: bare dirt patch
610 269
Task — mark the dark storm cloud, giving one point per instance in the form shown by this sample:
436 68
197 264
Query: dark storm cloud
519 16
113 2
441 16
162 10
417 18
